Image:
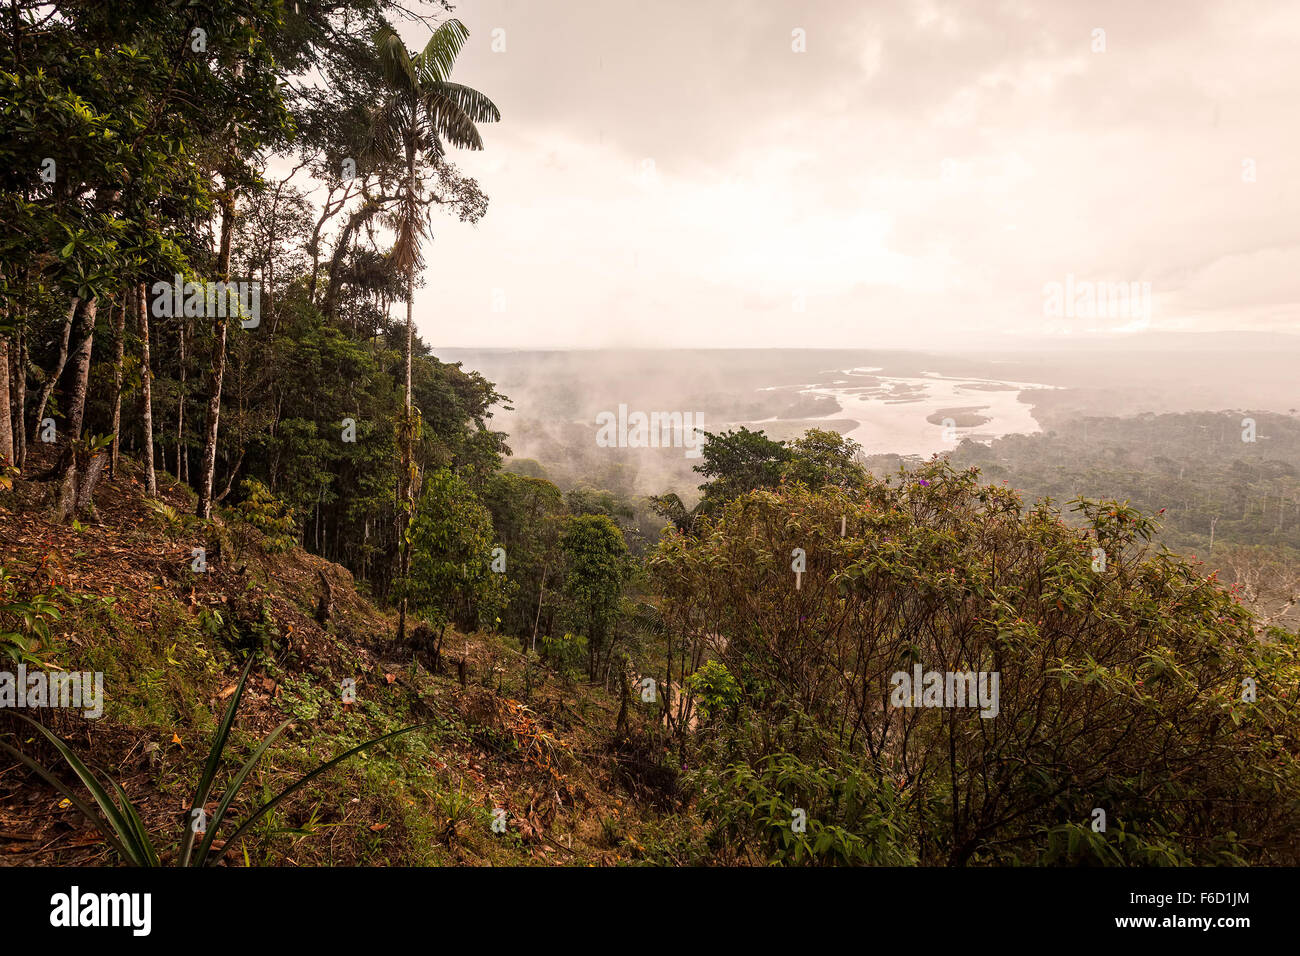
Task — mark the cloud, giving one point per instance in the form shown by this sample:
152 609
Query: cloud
676 174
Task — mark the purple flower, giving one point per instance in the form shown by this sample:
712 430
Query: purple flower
924 483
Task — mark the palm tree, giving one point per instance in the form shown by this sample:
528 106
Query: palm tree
421 111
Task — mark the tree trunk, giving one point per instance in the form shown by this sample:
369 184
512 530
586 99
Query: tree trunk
217 367
77 492
6 411
541 591
47 388
361 215
67 505
119 356
81 363
216 372
624 698
407 511
89 480
181 461
410 333
18 387
667 689
406 506
80 470
146 391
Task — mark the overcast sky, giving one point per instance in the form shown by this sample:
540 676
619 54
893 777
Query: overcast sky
673 173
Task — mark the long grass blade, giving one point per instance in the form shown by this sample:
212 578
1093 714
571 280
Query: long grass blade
98 822
303 781
214 759
137 825
110 809
232 791
120 837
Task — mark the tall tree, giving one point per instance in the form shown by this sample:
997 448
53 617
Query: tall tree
119 356
217 366
6 420
8 352
596 565
146 390
18 394
52 378
421 110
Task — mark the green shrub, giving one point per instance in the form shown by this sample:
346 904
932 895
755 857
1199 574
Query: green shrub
789 812
269 515
567 654
451 557
1138 685
714 688
25 621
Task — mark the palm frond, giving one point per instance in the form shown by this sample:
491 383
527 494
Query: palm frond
395 62
433 64
232 791
302 782
119 827
443 119
471 102
388 121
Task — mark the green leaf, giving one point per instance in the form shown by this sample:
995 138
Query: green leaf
214 758
303 781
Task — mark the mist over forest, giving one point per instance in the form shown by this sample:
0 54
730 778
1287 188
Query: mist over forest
555 395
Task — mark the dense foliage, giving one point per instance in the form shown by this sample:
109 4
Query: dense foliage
1120 689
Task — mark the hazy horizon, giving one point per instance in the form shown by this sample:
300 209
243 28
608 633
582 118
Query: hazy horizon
1243 341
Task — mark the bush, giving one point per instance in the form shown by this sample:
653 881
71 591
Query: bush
714 688
451 557
789 811
596 565
25 620
567 654
1138 686
269 515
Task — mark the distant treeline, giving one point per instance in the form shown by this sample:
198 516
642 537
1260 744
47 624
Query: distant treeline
1212 482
